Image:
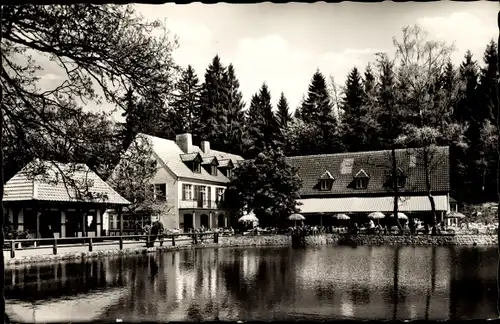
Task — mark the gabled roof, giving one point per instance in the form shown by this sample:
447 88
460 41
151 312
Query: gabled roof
210 160
327 175
226 163
188 157
377 164
361 174
169 153
28 185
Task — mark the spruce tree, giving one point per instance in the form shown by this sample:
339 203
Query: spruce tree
317 105
489 81
213 99
469 76
353 106
263 131
234 117
283 114
185 108
488 103
316 112
369 84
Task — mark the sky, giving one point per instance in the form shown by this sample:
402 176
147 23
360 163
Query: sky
284 44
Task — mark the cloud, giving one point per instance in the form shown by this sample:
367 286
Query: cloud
189 32
466 30
273 60
283 67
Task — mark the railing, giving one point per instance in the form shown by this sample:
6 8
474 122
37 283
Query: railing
201 203
56 243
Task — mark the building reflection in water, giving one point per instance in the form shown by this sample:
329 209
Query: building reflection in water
261 284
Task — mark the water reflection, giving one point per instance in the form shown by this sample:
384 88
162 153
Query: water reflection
261 284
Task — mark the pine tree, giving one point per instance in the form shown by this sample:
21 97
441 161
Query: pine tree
354 111
469 76
489 81
488 103
369 84
317 104
469 112
213 99
185 109
129 130
316 114
234 117
283 114
146 115
263 131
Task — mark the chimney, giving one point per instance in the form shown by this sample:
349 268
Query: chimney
185 142
205 147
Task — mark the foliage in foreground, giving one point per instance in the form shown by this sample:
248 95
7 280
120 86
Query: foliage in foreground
266 185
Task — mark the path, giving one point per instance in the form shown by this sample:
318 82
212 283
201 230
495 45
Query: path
79 248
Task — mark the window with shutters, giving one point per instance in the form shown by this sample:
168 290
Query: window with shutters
219 194
187 192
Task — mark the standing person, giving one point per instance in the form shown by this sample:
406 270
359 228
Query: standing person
411 225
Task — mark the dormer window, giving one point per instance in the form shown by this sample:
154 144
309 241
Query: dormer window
326 185
210 164
399 179
193 161
226 166
196 167
326 181
361 183
361 179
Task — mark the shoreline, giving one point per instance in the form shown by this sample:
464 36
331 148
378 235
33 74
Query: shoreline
276 240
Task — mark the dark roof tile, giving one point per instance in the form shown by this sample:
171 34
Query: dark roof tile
377 164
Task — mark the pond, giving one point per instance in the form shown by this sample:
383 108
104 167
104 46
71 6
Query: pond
328 282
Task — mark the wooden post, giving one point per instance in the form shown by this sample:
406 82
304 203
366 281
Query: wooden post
90 244
148 240
120 217
12 249
54 247
195 237
37 225
161 240
216 237
121 242
84 224
194 220
173 240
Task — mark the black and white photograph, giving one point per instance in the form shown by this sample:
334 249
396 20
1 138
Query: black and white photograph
250 161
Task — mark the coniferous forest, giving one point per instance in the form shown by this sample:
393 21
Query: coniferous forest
397 100
411 96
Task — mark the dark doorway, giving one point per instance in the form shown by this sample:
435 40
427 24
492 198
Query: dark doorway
73 223
220 220
204 220
29 221
50 223
188 222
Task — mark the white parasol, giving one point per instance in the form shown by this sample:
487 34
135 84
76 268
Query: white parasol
454 215
296 217
341 216
400 216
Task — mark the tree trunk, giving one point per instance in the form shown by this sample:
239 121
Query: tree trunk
498 148
2 215
429 192
395 188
